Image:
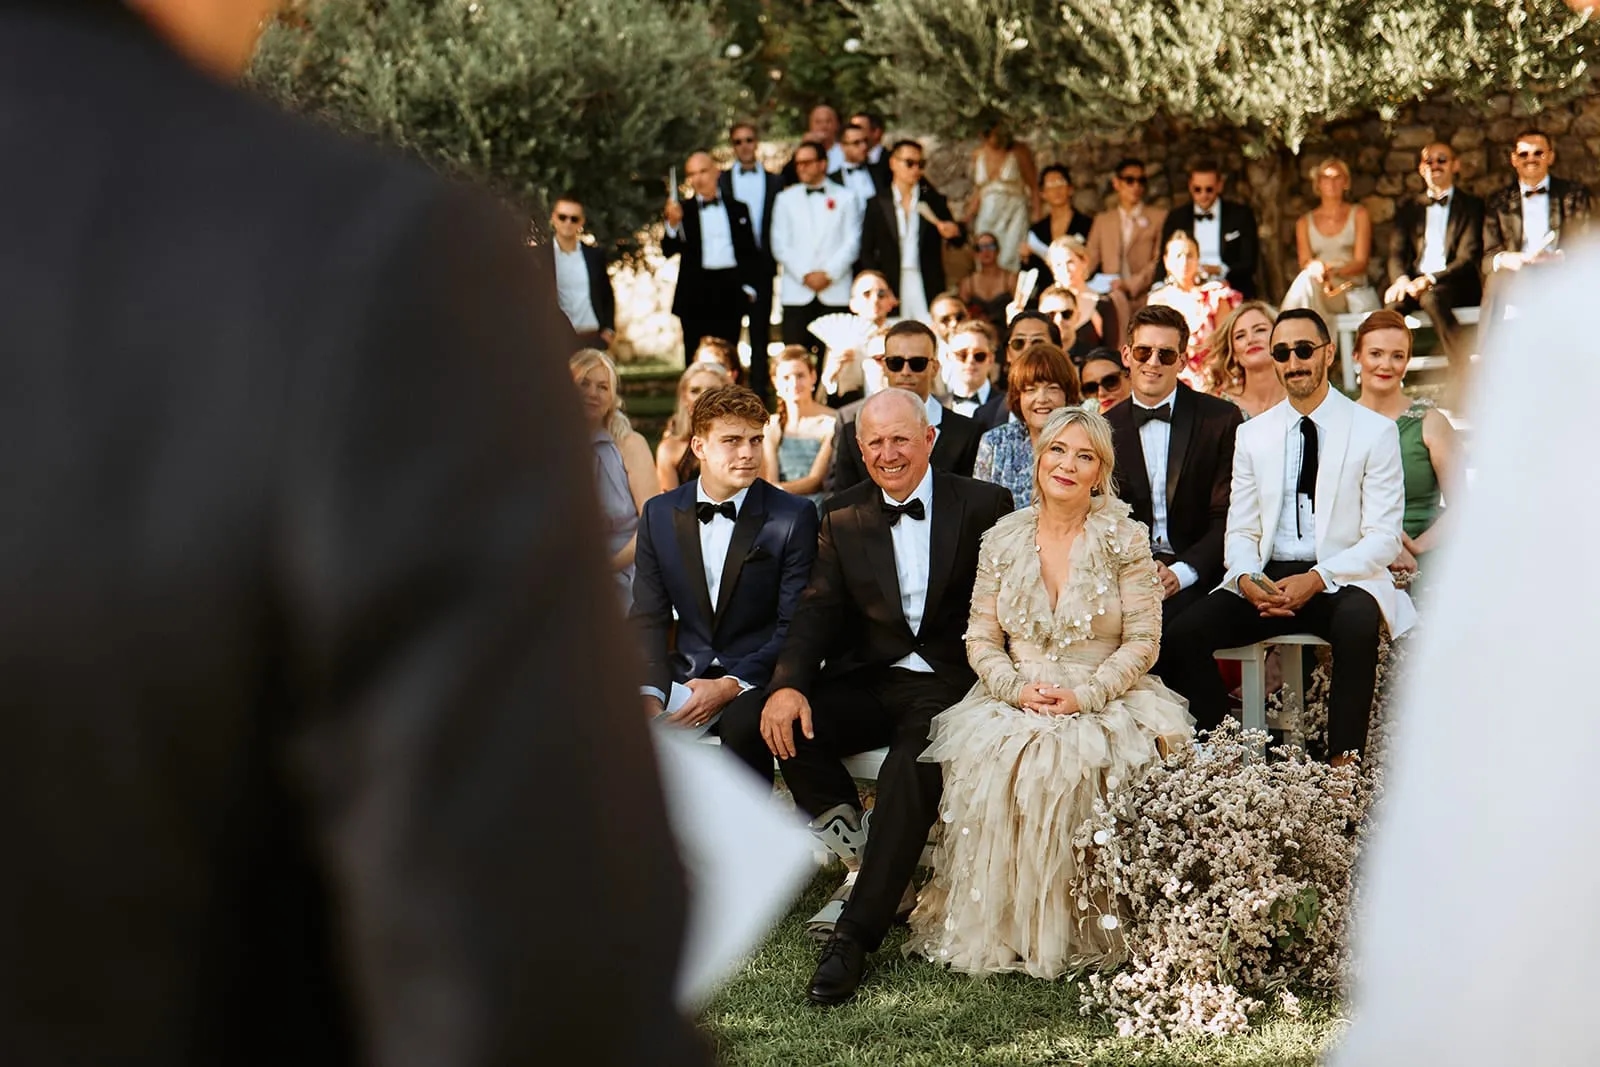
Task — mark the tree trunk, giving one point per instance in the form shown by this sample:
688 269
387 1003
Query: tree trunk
1271 173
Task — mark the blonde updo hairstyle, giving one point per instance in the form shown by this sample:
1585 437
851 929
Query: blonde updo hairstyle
1099 431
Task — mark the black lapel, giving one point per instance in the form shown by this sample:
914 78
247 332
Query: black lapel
949 515
687 527
878 543
1557 209
751 518
1125 439
1511 220
894 234
1178 444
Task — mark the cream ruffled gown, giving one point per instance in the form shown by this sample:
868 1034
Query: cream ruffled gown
1017 783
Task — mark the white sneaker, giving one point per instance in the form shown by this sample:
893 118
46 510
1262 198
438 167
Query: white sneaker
842 830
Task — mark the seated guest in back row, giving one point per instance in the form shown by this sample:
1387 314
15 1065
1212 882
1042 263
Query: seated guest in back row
1225 232
1530 222
909 361
969 374
729 555
1174 459
874 653
1435 247
1313 523
1042 381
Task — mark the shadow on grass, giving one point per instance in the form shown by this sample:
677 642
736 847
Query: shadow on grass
912 1014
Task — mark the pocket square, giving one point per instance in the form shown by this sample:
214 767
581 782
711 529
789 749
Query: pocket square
1234 236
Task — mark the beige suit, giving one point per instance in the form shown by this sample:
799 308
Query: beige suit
1142 257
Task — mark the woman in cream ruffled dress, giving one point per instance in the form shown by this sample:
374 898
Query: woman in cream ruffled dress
1066 623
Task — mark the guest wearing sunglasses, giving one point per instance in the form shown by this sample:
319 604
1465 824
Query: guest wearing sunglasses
1125 241
947 312
582 284
1225 232
899 241
988 289
748 182
909 361
1042 382
1105 380
1078 334
1174 458
1314 522
969 372
1435 248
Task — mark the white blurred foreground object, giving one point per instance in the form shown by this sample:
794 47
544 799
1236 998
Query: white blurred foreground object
746 858
1478 942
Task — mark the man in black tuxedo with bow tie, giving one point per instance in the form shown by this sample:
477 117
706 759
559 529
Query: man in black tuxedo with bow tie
876 650
973 350
729 554
718 265
909 361
858 175
748 182
1435 248
1530 221
1224 230
1174 459
895 217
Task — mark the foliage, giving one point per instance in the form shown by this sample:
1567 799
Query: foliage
534 97
798 53
1274 67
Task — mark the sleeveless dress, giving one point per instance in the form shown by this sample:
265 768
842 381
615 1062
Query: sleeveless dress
1423 494
1306 291
1004 894
795 457
619 514
1002 207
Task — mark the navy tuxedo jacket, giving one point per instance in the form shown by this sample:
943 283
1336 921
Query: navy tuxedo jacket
769 560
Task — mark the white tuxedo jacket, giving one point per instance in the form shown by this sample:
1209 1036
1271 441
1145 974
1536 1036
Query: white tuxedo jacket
1361 500
816 231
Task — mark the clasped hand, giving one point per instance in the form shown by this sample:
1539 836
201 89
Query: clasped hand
1281 600
1048 699
707 696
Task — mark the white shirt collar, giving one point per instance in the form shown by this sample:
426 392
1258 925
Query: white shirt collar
935 410
1543 186
1295 415
1170 398
737 498
923 492
916 194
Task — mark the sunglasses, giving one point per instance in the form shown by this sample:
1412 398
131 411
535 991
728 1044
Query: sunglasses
987 246
1202 190
1535 154
1017 344
568 218
1301 350
807 162
1436 161
898 363
1108 383
969 355
875 294
914 164
744 140
1132 179
1145 353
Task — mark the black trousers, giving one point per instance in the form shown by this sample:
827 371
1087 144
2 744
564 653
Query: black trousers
1440 303
715 306
1349 620
740 730
863 710
760 333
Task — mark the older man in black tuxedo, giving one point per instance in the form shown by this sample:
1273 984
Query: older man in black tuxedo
720 566
719 260
302 570
1435 247
1174 450
1225 231
909 361
874 652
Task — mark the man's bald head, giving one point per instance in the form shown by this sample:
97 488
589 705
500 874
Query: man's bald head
896 441
702 173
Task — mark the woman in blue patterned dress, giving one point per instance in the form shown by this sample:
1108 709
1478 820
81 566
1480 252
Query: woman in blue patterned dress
1040 380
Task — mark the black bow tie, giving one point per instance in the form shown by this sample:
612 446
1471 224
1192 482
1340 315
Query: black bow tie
705 511
959 399
1439 201
1204 216
818 189
892 512
1528 194
852 170
752 169
1142 415
713 202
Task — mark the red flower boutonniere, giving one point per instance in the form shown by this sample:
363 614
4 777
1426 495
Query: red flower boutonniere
830 203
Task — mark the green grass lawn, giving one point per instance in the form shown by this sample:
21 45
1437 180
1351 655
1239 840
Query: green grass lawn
912 1014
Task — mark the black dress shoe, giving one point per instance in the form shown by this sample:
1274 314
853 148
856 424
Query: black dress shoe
838 971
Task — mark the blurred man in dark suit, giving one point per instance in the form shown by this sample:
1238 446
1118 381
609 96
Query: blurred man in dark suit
1435 247
297 766
717 268
583 287
748 182
1225 231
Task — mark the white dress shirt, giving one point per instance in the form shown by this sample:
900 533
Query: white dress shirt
912 540
1296 537
751 191
1208 235
969 408
836 157
1438 217
859 181
910 226
572 290
1535 217
1155 440
716 237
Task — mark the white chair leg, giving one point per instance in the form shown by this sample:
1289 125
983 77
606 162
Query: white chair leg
1252 689
1294 689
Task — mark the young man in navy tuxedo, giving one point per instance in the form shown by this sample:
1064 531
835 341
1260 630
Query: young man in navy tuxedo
731 553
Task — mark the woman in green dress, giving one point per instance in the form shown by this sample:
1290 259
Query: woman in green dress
1427 441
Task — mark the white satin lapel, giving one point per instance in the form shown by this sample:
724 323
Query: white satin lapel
1269 474
1333 445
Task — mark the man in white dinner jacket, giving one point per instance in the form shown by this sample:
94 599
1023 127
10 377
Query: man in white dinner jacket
1313 524
816 231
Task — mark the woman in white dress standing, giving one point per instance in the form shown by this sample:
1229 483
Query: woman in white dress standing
1004 196
1066 623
